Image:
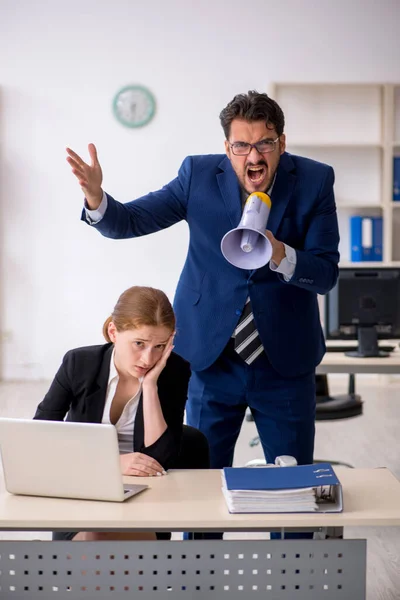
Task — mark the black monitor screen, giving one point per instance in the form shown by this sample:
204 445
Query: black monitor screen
364 298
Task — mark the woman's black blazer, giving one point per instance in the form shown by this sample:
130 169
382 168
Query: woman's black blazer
79 392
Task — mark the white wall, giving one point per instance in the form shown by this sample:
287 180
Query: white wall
60 66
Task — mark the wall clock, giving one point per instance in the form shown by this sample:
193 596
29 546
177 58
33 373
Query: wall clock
134 106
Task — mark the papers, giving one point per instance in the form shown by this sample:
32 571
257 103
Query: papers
250 501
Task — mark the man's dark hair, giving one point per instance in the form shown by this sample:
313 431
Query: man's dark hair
253 106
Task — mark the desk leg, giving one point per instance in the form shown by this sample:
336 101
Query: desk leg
329 533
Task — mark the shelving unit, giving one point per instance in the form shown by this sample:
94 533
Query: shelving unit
355 128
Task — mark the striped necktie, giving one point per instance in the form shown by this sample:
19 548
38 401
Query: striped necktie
247 342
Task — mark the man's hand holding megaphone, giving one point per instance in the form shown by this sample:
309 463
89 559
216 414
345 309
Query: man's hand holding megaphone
250 245
278 248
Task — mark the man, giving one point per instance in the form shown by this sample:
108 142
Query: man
253 338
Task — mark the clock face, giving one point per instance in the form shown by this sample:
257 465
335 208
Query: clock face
134 106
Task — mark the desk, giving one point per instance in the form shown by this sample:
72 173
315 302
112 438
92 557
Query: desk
338 362
204 569
192 500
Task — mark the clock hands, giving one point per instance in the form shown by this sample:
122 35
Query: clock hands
133 109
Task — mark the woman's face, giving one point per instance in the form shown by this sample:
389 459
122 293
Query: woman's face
138 350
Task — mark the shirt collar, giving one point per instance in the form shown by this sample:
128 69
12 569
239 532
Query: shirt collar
269 191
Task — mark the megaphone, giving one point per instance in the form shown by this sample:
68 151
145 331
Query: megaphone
247 246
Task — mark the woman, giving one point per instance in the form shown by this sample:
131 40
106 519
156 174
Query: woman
136 383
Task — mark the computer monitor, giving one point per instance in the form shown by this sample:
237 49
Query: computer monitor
364 305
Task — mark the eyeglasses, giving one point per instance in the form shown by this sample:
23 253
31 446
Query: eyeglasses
244 148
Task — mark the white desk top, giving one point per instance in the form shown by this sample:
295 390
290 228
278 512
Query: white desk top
190 500
338 362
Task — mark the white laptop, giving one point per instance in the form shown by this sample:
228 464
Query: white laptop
61 459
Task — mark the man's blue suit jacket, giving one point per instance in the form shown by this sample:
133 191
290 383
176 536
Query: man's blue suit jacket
211 293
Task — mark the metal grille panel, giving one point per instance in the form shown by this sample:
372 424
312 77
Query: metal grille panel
203 569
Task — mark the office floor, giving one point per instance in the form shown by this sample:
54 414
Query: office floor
367 441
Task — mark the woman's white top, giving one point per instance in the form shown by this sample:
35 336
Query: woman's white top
126 422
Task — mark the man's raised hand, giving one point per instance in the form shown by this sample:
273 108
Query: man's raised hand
90 177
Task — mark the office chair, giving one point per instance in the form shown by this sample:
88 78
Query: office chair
342 406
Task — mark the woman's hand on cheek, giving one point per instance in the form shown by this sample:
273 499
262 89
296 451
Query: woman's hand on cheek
137 464
152 376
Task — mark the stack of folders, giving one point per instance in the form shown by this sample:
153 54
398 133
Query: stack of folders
307 488
366 238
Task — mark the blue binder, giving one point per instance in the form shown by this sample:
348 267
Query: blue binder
366 238
396 179
319 476
280 478
355 238
377 238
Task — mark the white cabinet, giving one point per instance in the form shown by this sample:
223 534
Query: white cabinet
356 129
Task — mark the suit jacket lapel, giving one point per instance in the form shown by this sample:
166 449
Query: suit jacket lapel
281 192
230 191
96 397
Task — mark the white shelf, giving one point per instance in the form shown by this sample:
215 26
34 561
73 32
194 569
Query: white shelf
339 146
357 170
350 205
327 122
309 109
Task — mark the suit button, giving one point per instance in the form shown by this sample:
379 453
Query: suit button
238 312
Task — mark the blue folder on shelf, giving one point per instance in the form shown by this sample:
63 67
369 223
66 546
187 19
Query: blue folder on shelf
356 254
377 238
396 179
304 488
366 238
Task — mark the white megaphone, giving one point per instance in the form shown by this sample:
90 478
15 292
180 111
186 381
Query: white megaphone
247 246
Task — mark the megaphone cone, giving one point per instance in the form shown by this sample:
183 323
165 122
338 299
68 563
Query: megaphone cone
247 246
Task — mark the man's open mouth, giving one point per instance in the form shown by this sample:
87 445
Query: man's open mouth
256 173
